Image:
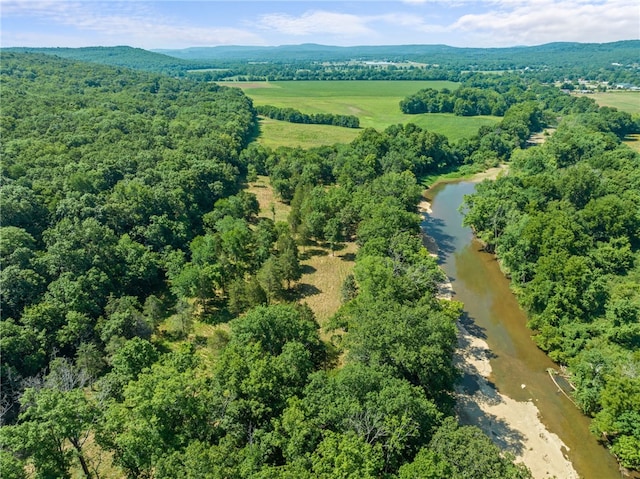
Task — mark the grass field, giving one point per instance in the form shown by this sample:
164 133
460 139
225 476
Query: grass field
270 206
375 103
274 133
628 101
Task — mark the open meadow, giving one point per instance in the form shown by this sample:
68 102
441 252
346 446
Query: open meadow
375 103
628 101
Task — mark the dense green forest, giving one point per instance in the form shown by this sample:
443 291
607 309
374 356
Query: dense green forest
124 222
123 56
478 95
612 62
559 54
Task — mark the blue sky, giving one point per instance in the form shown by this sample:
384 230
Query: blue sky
180 24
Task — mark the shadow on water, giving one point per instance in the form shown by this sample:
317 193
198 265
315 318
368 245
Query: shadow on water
470 325
439 241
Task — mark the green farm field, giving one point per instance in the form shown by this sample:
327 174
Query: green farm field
274 133
375 103
628 101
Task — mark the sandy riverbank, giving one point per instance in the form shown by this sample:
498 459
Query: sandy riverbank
512 425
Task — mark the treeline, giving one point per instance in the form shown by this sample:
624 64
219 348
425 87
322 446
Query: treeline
297 71
609 62
121 56
295 116
565 225
464 101
481 94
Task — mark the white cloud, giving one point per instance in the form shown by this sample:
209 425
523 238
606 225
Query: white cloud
410 22
543 21
455 22
316 22
498 23
116 23
343 26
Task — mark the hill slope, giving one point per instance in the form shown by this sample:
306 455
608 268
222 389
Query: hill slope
121 56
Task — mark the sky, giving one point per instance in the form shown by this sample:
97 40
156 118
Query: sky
182 24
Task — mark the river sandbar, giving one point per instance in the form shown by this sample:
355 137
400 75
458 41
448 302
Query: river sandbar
513 426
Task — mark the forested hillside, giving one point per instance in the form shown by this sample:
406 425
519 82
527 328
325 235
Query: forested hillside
565 224
124 222
122 56
106 175
551 55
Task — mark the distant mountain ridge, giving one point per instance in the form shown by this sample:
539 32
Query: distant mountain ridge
624 52
616 61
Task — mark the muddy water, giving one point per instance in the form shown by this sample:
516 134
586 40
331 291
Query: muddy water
492 313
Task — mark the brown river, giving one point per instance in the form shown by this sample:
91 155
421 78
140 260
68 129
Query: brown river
518 369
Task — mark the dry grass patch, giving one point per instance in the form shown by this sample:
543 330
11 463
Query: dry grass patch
270 205
100 461
322 278
324 271
210 341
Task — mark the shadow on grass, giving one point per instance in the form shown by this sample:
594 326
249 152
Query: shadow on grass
311 252
308 269
216 315
348 257
254 132
303 290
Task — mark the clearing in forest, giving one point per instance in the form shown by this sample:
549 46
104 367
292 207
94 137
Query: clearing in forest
323 271
375 103
628 101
